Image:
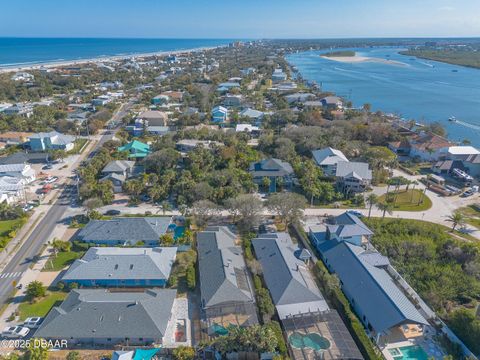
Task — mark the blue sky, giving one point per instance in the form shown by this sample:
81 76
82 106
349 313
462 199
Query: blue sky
239 18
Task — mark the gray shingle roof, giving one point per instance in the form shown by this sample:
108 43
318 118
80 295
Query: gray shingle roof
128 230
55 137
114 263
118 166
348 224
328 156
223 275
371 287
289 281
271 167
102 314
353 169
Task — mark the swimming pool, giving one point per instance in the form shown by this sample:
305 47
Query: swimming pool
412 352
313 341
177 230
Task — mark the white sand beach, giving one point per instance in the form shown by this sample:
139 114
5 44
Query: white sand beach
362 59
59 64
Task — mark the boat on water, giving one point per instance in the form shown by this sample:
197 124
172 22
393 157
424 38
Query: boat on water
454 70
452 119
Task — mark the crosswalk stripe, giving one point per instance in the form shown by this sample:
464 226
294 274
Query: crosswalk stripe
12 274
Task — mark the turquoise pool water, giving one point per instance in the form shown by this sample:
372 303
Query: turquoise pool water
412 352
313 341
178 231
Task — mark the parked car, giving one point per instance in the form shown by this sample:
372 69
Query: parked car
27 207
51 179
355 212
468 193
145 198
33 322
112 212
15 332
47 167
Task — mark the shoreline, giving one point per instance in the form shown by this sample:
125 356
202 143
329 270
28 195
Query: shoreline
362 59
63 63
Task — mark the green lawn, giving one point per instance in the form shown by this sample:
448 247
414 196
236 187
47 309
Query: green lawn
42 306
6 227
62 260
78 146
472 215
408 200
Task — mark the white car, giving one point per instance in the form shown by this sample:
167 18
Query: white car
51 179
33 322
15 332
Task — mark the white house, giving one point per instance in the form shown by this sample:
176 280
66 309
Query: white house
219 114
328 159
23 172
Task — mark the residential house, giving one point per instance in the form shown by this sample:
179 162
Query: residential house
153 118
286 86
125 231
160 100
345 227
136 149
423 146
226 289
327 159
173 95
15 137
233 100
248 128
122 267
332 102
11 189
353 176
461 152
275 170
187 145
278 76
22 76
19 109
298 97
51 141
228 85
367 279
92 317
445 167
102 100
254 115
118 171
24 172
291 285
219 114
247 71
23 158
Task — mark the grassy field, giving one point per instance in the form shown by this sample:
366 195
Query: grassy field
79 143
6 228
42 306
472 215
408 200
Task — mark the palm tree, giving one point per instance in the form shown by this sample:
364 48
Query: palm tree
372 199
457 218
385 207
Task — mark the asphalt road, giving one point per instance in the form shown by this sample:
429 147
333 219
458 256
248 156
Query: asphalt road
32 246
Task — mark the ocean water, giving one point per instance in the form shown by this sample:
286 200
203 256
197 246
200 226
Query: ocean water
27 51
412 88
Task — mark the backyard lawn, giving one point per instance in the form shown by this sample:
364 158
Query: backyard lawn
42 306
408 200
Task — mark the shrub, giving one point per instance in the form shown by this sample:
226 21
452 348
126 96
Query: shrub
35 290
191 277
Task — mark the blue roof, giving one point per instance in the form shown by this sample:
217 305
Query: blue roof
364 278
